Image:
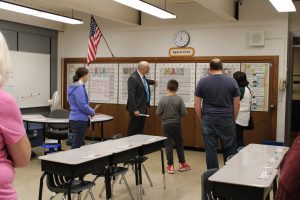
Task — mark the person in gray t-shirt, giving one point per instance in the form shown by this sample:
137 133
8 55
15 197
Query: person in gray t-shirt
171 108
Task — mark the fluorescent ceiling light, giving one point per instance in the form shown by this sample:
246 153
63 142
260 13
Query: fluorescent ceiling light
147 8
38 13
283 5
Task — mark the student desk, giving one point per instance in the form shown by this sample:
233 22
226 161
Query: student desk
241 172
259 155
36 118
247 182
94 157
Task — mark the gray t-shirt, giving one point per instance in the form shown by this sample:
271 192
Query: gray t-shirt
217 92
171 109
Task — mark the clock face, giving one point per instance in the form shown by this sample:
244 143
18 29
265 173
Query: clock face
181 38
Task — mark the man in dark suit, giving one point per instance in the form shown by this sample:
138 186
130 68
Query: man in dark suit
138 98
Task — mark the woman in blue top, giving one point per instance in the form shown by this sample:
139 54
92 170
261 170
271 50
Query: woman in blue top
79 104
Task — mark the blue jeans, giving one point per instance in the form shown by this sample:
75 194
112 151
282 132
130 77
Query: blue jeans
78 128
214 128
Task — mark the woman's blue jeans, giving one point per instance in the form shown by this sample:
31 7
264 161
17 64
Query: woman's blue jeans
78 128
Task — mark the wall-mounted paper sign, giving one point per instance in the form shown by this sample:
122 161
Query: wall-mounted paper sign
182 52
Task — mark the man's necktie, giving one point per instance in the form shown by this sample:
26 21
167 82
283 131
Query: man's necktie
146 88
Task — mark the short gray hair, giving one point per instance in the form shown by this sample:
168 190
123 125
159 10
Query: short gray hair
4 61
142 64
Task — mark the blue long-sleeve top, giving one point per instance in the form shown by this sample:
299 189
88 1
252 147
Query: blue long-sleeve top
79 102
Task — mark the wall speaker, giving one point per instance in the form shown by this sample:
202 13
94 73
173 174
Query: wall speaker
256 38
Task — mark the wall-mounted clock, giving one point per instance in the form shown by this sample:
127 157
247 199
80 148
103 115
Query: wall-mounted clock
181 38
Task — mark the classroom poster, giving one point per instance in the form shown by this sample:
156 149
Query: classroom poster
184 73
125 70
230 68
103 83
71 69
258 77
202 69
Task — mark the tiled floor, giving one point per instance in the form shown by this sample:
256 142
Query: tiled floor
180 186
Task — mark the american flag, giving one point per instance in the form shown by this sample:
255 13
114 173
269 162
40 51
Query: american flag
94 39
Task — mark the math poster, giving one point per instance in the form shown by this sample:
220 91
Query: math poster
184 73
103 83
258 77
125 70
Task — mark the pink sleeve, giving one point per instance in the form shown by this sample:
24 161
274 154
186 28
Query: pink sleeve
11 124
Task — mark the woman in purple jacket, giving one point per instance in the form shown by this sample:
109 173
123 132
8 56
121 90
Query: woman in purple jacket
79 104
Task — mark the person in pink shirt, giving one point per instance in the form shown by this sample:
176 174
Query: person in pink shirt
15 149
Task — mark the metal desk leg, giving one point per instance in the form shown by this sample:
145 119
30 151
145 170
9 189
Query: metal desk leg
163 167
69 188
101 127
41 186
139 163
107 183
102 131
136 173
93 128
275 187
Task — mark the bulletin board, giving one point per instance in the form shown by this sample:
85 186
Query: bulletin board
258 77
187 71
102 84
202 69
125 70
184 73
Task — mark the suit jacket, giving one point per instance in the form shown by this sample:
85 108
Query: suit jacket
137 96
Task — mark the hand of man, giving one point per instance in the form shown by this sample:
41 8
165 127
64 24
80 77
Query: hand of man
136 113
156 82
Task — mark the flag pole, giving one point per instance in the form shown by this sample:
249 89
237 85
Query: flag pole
107 45
105 40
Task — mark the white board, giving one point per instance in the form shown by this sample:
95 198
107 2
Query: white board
29 79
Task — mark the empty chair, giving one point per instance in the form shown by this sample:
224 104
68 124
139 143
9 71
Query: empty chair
115 172
59 184
229 157
143 159
206 186
240 148
58 131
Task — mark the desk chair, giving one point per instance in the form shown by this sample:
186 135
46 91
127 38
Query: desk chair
229 157
133 161
115 172
58 131
206 186
240 148
59 184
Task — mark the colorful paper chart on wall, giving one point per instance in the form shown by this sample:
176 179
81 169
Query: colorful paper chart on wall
258 77
228 69
184 73
103 83
125 70
71 69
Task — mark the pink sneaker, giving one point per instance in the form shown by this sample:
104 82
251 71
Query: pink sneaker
184 167
170 169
